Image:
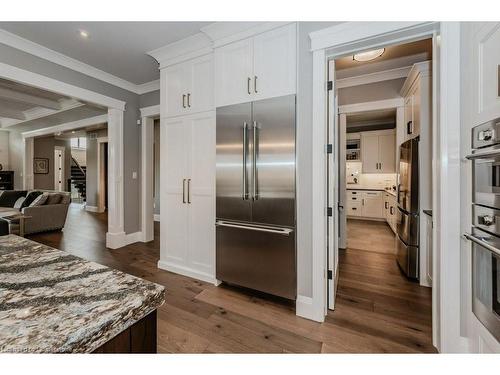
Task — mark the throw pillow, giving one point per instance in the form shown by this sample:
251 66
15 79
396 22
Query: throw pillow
19 202
66 199
9 197
53 198
32 195
39 200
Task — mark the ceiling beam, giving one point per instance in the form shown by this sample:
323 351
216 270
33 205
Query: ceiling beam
12 113
36 101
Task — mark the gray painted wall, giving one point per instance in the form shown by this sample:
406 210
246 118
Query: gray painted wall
44 148
91 180
16 151
131 133
149 99
371 92
156 186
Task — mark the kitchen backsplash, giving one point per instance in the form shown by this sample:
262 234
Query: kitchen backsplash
382 180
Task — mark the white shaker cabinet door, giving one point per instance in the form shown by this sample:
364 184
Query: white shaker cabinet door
274 61
372 205
387 153
174 165
369 153
177 82
233 73
201 90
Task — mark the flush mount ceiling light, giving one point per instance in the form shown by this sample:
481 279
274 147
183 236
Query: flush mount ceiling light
84 34
368 55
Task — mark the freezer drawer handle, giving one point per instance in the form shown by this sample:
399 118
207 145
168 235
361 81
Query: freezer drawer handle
282 231
484 154
482 243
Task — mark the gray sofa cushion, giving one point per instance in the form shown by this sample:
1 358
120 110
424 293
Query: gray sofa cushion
9 197
53 198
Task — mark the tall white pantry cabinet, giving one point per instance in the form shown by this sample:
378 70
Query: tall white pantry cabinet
196 76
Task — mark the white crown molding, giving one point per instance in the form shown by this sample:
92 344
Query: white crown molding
371 106
150 111
222 33
45 53
193 46
38 112
73 125
373 77
148 87
423 69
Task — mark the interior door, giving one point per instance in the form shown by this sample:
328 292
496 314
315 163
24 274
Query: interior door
174 165
178 83
387 154
369 153
201 194
342 195
58 170
274 60
233 73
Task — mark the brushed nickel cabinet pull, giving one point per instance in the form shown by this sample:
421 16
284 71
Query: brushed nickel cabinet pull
183 100
255 84
184 190
189 101
189 190
248 86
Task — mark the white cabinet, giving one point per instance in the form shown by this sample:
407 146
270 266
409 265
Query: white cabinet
188 190
378 151
372 205
390 207
428 241
188 86
256 68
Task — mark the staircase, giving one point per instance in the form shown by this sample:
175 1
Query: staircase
79 178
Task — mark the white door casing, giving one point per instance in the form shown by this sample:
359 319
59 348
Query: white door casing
59 170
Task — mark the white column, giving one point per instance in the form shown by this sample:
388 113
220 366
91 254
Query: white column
147 164
29 151
116 233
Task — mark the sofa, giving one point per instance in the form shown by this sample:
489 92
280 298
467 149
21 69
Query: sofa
47 209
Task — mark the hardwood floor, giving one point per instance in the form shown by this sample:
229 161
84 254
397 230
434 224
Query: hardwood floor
377 310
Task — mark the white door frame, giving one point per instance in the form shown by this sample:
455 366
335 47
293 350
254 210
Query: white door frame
353 36
101 188
63 168
148 115
115 237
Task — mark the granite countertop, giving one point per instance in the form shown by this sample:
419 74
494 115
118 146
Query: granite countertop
354 187
54 302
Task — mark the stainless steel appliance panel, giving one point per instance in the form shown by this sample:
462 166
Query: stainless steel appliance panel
256 257
408 259
487 219
233 163
273 158
486 280
486 134
486 180
407 227
408 176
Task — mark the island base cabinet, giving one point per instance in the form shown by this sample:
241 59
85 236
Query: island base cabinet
139 338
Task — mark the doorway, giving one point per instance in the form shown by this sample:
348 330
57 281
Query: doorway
59 168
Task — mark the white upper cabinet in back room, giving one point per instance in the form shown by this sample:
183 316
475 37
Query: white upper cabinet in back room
256 68
189 86
378 151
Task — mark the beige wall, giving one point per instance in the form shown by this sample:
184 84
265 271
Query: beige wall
371 92
44 148
4 150
91 158
156 186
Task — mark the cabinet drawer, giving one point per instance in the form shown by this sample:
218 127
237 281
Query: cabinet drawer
372 194
354 208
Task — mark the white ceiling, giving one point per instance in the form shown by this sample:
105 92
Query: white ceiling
118 48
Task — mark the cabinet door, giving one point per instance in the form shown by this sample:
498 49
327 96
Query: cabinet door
177 87
387 153
201 92
369 153
408 116
274 59
233 73
202 195
174 165
372 205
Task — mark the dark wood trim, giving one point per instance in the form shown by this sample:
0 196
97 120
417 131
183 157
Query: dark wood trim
139 338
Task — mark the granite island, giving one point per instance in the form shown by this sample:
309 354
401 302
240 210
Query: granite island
54 302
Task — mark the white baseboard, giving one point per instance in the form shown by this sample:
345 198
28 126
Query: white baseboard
305 308
117 240
156 217
186 271
93 209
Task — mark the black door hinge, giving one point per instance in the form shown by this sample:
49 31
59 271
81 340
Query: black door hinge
330 274
329 148
329 211
330 85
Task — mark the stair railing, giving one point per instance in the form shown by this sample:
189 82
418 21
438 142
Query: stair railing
78 165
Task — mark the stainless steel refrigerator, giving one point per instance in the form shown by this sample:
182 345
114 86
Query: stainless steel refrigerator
255 196
407 250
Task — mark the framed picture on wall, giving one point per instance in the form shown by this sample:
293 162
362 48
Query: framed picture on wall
40 166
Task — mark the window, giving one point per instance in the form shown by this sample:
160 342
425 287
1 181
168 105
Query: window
80 142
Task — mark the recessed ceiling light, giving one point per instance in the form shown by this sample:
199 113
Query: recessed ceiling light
72 132
368 55
84 34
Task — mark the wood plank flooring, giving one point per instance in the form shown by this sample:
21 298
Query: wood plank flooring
377 311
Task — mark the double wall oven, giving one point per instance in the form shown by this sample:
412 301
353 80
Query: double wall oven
485 234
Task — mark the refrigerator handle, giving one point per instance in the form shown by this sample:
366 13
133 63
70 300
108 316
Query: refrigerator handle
254 162
282 231
245 143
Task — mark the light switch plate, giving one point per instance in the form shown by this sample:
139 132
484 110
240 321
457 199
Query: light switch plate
134 175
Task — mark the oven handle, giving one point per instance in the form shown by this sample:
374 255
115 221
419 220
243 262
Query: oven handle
482 243
484 154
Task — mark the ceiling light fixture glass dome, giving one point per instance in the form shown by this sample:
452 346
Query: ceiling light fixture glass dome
368 55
